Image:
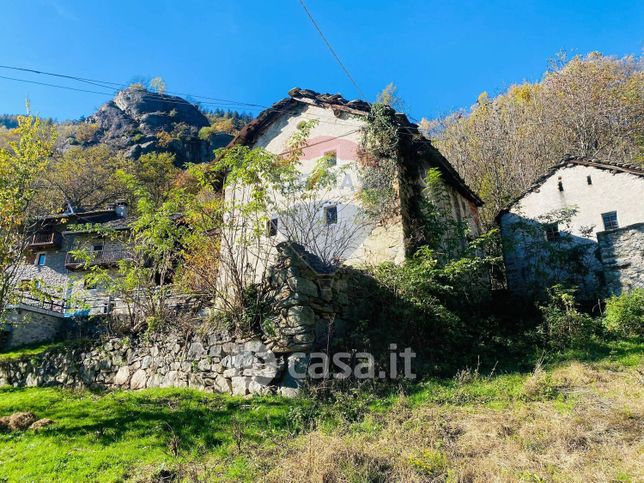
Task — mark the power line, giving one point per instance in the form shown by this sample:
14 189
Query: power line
54 85
331 49
229 103
113 90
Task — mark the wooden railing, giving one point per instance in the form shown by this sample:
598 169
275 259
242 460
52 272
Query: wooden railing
51 304
45 240
101 258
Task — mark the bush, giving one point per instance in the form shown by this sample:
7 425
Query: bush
563 325
624 315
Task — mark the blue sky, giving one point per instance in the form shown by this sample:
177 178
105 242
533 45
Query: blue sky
440 54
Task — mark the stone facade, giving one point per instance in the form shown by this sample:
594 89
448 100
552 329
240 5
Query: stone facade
622 254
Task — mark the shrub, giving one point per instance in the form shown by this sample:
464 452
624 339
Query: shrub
624 315
563 325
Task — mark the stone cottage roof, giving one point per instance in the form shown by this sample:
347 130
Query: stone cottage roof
568 161
416 146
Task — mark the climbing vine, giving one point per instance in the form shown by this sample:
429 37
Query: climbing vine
378 163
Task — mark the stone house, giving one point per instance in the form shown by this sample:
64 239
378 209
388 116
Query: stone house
580 223
51 289
337 137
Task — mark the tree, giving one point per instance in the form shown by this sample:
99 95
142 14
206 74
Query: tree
158 85
84 178
21 164
143 281
589 107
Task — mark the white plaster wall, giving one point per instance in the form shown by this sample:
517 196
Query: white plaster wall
609 191
342 134
621 192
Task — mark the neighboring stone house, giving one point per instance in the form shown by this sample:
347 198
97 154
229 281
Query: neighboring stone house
337 136
51 288
581 224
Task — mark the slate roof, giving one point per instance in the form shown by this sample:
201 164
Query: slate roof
420 146
107 218
570 160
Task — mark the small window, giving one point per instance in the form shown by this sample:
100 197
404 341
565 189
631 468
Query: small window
610 220
97 248
560 184
271 227
589 180
331 158
41 260
331 215
552 232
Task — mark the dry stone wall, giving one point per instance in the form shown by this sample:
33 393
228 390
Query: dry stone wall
622 254
214 363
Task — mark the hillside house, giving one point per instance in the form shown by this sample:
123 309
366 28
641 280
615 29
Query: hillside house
51 289
581 223
337 137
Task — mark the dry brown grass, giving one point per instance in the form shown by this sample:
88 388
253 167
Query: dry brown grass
591 432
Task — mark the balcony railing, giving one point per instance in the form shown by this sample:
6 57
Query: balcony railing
103 258
47 303
45 240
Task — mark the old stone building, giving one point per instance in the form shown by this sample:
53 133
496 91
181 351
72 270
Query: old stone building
337 136
581 224
51 288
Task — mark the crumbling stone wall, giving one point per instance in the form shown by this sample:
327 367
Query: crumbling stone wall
622 255
310 302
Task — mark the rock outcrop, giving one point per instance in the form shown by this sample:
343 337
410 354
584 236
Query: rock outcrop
138 121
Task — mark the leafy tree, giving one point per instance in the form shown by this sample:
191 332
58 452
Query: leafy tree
21 164
158 85
154 174
143 281
84 178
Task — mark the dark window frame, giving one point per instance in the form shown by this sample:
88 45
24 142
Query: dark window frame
552 232
610 220
331 215
272 227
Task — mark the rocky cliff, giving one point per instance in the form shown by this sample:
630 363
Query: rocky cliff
138 121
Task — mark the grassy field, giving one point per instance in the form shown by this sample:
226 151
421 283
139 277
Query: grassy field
577 419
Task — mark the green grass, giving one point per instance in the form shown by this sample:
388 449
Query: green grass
112 436
30 351
103 437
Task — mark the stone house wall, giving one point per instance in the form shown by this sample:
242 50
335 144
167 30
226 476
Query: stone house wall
31 326
622 254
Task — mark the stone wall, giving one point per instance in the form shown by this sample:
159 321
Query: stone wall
31 326
214 363
310 302
622 254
